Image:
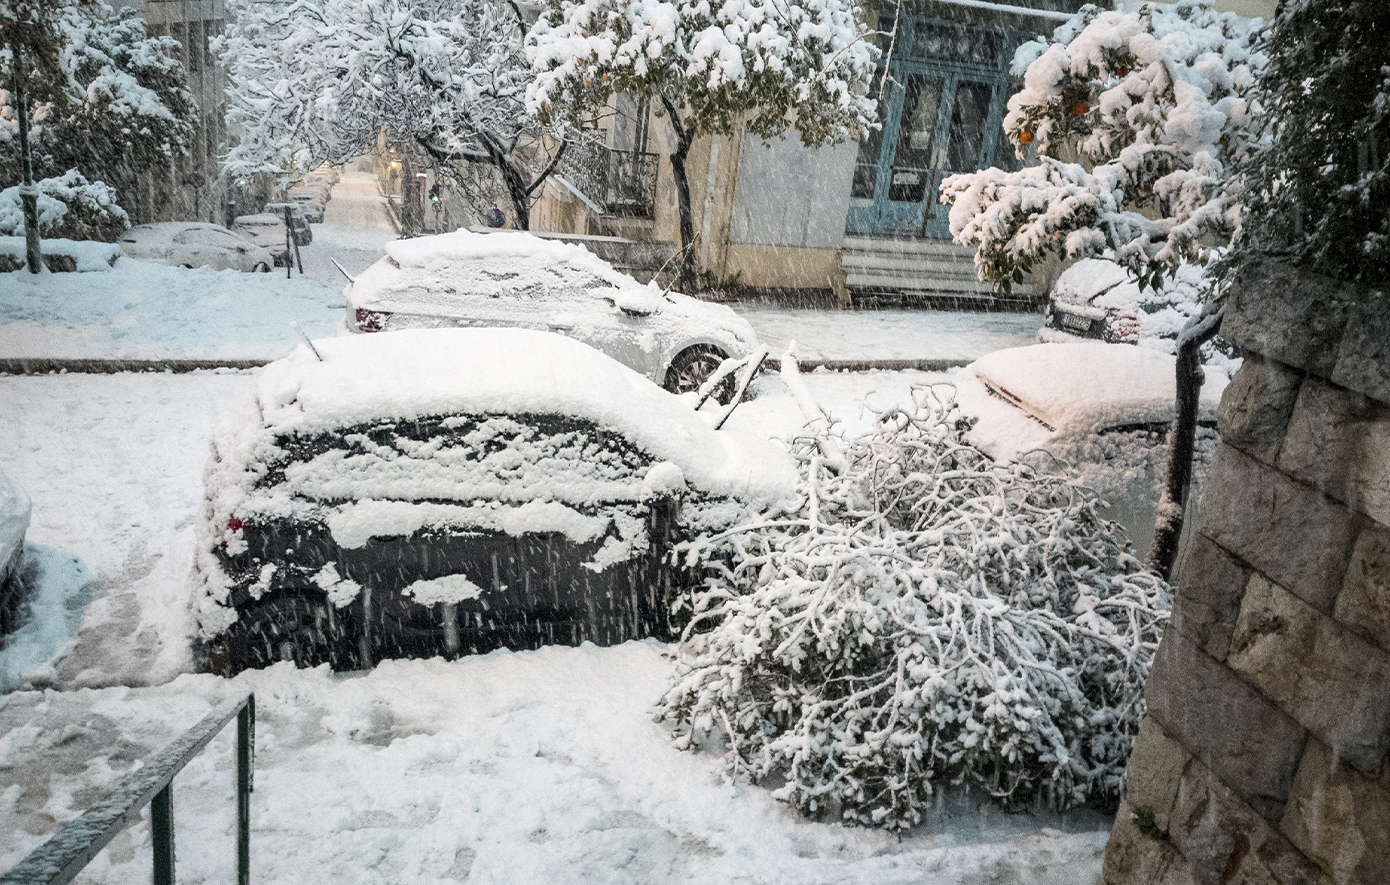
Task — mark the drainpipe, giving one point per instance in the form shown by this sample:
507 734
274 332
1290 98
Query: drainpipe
28 193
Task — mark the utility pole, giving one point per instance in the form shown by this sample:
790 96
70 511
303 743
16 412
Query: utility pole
28 192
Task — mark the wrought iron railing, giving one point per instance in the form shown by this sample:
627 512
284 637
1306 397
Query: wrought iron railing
619 182
63 856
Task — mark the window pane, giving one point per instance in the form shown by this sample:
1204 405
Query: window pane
968 122
911 160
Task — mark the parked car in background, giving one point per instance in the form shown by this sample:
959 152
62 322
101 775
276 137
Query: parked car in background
453 491
267 231
14 522
311 200
195 244
1097 300
299 225
510 278
1105 409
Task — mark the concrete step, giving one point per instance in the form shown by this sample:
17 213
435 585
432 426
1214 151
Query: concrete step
890 272
907 265
943 249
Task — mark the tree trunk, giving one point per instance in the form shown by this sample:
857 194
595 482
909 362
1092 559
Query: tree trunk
684 140
28 193
513 179
1181 444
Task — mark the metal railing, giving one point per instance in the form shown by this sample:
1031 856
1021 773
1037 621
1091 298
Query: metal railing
621 182
63 856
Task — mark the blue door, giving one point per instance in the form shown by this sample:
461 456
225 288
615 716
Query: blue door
942 109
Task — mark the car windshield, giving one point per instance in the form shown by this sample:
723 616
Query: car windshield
206 237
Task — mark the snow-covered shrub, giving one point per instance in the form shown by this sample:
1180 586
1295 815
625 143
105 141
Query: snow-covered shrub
921 618
1136 118
70 206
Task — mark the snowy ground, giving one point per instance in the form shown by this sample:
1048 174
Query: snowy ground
523 767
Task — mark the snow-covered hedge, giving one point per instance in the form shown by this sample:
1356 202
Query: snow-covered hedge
69 206
921 618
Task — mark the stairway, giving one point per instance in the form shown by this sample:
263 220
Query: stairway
889 272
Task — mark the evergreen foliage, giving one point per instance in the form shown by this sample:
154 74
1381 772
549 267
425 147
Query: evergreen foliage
1317 190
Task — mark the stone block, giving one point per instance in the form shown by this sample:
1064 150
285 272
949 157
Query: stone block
1237 732
1364 603
1339 442
1207 588
1133 858
1363 360
1255 408
1289 315
1299 538
1224 840
1340 818
1332 682
1155 768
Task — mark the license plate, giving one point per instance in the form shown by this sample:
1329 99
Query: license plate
1076 323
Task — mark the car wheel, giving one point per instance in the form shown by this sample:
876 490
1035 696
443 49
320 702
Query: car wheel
300 630
693 366
261 267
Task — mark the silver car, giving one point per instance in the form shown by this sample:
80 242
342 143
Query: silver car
14 522
195 244
510 278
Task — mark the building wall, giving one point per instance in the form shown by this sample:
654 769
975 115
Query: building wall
1265 753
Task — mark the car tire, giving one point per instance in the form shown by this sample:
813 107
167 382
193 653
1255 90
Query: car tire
298 629
692 366
261 267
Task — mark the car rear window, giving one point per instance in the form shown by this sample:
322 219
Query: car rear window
509 458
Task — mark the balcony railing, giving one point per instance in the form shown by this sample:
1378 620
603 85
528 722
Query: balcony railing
619 182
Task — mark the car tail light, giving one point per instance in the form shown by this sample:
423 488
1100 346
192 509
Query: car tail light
1125 329
235 525
371 320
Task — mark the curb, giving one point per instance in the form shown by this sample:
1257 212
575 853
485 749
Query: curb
50 366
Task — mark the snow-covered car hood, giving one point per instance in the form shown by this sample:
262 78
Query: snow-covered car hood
14 517
439 372
515 272
1029 397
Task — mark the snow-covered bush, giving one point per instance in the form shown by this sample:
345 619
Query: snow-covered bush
70 206
922 617
104 98
1136 118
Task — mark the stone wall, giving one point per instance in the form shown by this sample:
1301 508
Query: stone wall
1263 757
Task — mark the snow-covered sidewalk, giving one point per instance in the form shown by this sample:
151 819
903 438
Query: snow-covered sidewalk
533 767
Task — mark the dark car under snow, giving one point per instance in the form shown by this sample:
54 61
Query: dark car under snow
454 491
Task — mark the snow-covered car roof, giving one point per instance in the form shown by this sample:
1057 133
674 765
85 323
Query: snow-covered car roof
438 372
14 517
261 219
1092 277
1073 389
503 264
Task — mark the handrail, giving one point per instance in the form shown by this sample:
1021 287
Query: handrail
62 857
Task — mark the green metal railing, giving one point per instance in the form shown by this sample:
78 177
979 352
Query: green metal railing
62 857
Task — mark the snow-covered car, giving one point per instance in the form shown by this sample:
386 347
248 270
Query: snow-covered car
14 522
1105 409
268 232
195 244
510 278
452 491
312 200
299 224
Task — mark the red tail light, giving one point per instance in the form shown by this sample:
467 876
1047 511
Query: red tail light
234 524
371 320
1126 329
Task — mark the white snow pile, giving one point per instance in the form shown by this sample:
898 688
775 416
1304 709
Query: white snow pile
488 446
504 264
1083 387
14 520
921 618
87 255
